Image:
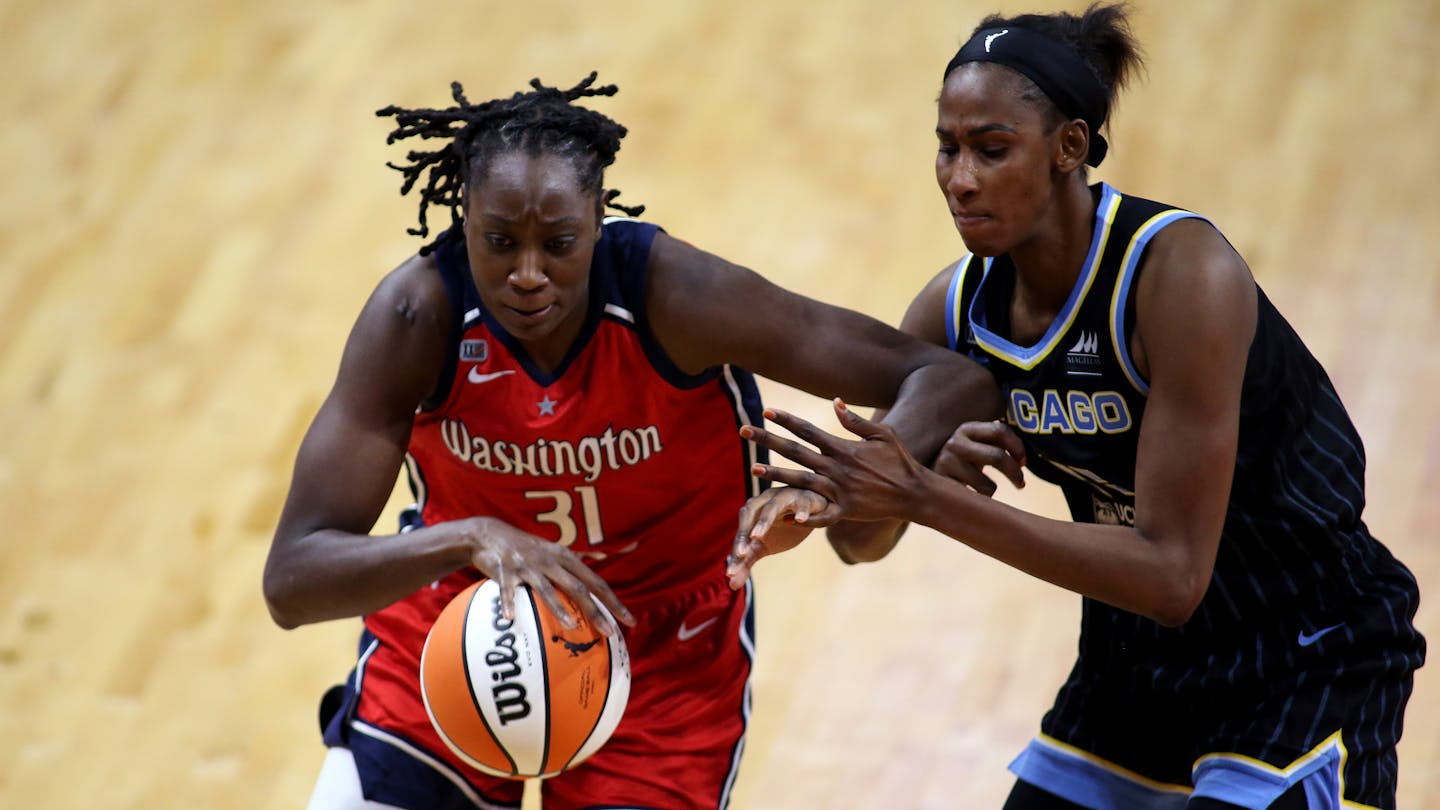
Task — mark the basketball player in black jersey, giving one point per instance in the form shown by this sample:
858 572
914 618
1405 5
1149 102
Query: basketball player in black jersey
1245 641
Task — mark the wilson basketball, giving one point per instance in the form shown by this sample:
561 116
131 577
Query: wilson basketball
524 697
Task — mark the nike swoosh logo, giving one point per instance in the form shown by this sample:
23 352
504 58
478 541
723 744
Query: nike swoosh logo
687 633
1306 640
476 377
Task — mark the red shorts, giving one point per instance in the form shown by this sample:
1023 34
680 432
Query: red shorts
677 747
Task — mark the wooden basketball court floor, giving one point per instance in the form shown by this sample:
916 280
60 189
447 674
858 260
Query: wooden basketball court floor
195 205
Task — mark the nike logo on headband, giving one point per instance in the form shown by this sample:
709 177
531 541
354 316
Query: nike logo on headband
994 37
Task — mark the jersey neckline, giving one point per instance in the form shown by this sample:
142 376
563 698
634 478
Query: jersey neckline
1027 357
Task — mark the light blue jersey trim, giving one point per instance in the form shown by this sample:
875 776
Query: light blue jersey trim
1251 783
1081 777
1027 357
954 318
1118 301
1086 779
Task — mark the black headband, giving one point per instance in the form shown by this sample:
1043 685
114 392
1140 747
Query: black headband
1054 67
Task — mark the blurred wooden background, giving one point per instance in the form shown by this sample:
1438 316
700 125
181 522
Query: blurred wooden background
195 205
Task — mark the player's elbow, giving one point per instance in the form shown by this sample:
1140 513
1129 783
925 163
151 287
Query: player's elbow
865 542
1174 577
1181 597
278 612
855 554
971 393
280 599
1175 612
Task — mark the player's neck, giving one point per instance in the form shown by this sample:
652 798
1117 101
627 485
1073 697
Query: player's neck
1047 265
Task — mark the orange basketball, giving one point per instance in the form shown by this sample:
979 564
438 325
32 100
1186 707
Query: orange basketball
525 697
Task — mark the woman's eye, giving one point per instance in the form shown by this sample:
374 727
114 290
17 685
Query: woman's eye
496 240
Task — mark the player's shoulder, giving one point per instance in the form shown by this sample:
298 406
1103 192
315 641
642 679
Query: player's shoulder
940 283
1193 246
417 276
624 231
1174 237
412 292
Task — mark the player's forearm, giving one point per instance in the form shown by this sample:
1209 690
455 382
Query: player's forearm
330 574
932 401
1113 564
936 398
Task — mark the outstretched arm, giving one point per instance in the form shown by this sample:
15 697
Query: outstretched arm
706 311
1196 305
857 541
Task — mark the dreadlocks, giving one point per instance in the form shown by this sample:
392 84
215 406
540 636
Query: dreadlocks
543 120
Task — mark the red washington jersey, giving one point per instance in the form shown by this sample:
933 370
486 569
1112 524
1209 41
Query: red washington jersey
632 464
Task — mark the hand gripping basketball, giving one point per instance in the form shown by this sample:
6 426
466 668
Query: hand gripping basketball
513 558
526 695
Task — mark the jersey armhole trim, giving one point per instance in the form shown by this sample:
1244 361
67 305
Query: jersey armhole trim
1119 300
460 322
630 311
954 312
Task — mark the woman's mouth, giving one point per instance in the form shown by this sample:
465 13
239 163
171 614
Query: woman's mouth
529 316
966 219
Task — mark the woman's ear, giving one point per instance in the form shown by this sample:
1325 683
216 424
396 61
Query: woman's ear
1073 146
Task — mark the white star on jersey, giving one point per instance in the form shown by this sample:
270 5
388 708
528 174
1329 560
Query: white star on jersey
547 406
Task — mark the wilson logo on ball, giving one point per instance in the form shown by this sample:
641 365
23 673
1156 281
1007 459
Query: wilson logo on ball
503 660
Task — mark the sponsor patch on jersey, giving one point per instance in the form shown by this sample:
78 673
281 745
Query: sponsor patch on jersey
1083 359
474 351
1111 513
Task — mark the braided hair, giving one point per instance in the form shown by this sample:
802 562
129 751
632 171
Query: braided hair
542 121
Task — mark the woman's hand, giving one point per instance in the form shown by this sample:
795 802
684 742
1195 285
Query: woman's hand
513 557
776 520
872 479
976 445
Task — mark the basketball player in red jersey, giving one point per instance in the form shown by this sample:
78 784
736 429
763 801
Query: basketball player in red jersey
564 391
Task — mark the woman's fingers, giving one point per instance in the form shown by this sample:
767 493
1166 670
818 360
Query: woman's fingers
805 430
801 479
1000 447
786 503
859 425
796 452
976 445
589 581
540 585
775 521
506 582
966 472
1001 435
828 516
737 570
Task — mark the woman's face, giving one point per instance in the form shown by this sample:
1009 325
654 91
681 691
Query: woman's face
996 159
530 231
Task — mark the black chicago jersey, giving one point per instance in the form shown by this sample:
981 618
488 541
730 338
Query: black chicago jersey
1300 591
